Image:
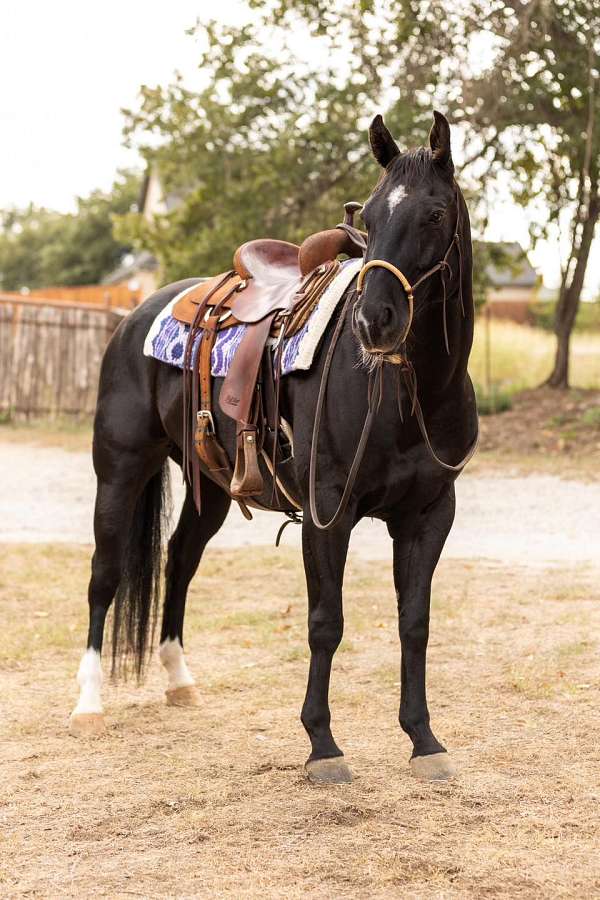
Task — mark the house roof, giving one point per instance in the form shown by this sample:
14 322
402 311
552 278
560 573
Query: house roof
517 271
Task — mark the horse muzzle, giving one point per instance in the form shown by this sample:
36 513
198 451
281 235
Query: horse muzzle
381 325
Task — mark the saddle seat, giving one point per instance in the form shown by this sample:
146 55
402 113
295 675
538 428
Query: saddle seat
265 277
267 274
267 260
272 271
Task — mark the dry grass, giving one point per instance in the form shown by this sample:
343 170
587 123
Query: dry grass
212 802
522 356
505 462
69 434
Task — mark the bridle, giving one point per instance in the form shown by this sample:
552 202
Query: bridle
442 266
375 385
408 289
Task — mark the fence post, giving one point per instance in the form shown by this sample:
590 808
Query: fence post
488 358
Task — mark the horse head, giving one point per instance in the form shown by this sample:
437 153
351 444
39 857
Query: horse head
413 219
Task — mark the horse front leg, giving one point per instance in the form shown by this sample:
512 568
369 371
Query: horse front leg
417 549
324 556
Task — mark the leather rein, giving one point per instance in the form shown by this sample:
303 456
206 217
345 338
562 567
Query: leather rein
375 385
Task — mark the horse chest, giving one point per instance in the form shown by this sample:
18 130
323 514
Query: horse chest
405 483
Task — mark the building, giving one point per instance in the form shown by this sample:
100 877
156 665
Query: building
140 271
513 284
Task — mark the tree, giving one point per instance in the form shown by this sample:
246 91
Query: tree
532 110
42 248
272 145
536 105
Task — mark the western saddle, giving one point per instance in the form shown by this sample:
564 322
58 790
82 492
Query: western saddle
272 289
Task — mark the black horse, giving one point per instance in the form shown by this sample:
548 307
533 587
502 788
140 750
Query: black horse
417 221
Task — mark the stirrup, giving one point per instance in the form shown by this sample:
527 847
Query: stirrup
247 480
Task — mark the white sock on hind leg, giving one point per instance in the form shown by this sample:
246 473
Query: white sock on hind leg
172 658
89 678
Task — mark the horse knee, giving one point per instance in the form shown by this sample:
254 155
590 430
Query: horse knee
413 719
325 632
414 634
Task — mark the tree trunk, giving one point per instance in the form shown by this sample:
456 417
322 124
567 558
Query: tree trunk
569 298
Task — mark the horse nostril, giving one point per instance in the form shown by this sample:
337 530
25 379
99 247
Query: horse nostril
386 316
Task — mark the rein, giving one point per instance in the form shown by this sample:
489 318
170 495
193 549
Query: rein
375 385
374 397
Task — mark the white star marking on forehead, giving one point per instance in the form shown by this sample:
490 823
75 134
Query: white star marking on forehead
395 197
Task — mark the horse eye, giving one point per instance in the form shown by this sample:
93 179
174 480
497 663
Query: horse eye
436 216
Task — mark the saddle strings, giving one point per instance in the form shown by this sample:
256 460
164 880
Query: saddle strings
313 284
277 365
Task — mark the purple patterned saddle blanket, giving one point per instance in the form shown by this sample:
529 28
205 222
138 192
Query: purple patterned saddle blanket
167 338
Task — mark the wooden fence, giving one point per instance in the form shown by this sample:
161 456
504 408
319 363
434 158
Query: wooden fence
50 355
107 295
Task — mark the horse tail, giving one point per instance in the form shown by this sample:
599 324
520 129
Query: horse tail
138 594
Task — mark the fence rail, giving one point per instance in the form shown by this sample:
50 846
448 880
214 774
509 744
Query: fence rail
107 295
50 355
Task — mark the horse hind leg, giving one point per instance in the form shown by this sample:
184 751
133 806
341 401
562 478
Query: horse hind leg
186 547
126 562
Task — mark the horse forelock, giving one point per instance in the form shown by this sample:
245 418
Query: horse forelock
407 169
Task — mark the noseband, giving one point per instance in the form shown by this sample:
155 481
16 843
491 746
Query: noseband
408 290
375 387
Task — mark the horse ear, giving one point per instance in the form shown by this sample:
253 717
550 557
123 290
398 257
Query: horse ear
383 145
439 140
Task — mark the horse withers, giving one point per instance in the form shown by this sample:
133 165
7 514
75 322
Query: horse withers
395 360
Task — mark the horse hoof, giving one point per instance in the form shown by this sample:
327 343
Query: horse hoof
435 767
188 695
328 771
87 725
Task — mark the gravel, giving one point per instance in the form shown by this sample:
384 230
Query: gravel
47 495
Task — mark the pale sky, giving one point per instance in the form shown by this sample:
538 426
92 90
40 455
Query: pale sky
67 68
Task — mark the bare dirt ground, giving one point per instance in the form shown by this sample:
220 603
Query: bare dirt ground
564 425
504 511
212 802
